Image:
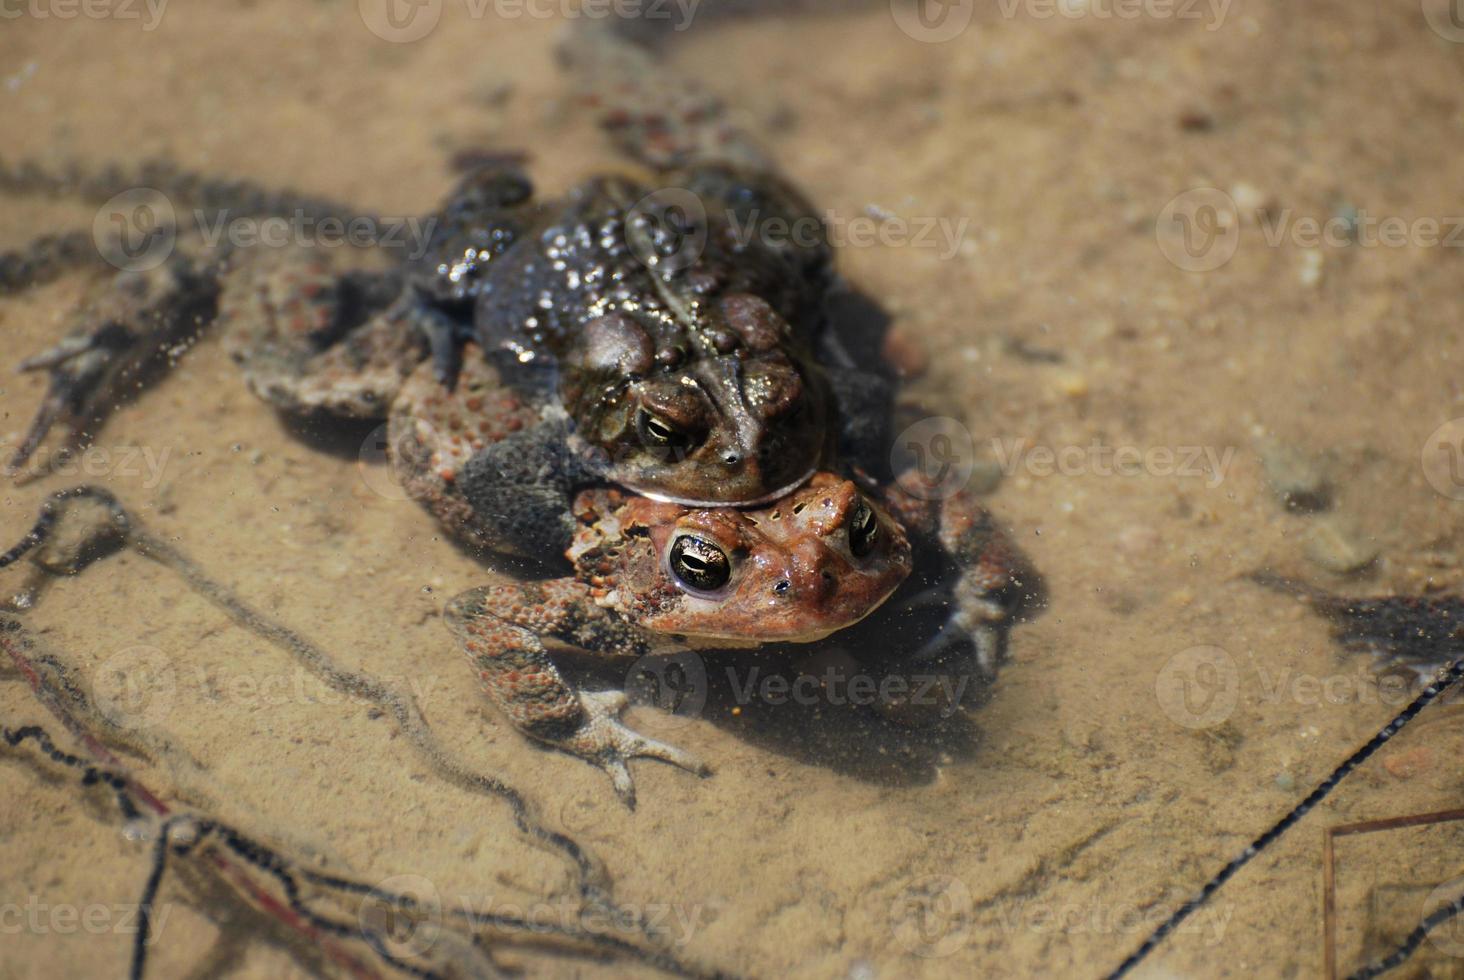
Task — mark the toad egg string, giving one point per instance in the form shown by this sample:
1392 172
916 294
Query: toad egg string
1445 679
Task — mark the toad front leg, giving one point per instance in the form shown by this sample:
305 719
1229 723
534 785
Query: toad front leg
502 630
993 584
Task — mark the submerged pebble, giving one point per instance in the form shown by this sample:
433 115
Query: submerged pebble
1338 545
1295 477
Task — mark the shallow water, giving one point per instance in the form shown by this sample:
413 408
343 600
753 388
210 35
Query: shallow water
1094 791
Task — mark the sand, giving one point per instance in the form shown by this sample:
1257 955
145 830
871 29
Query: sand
1084 811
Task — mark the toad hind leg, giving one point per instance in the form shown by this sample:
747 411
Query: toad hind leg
120 342
502 630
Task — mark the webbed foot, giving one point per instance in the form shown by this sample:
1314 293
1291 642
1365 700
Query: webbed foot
132 330
605 741
993 583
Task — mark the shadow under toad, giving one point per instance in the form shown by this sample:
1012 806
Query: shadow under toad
862 703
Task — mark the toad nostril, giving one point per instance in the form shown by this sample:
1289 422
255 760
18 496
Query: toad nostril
731 459
782 587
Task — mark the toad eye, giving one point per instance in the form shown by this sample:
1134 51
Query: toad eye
658 433
863 530
699 564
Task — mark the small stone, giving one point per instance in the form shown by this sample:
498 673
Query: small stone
1311 267
1338 545
1196 120
1248 198
1072 385
1285 782
1295 477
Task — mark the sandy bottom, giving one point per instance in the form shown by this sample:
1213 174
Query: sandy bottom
1094 797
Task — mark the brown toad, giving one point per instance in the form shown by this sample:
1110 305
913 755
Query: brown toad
652 577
